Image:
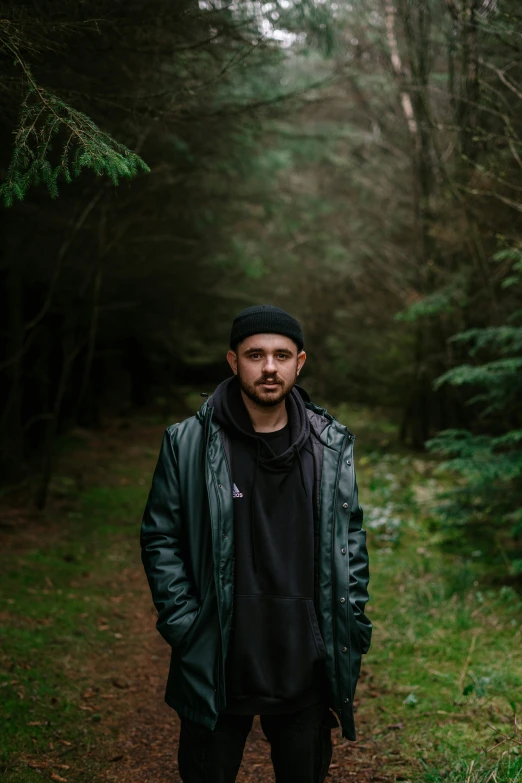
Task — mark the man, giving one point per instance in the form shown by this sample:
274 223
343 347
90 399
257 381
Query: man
257 562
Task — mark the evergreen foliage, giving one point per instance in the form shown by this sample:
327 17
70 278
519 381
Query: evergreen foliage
43 118
489 464
46 119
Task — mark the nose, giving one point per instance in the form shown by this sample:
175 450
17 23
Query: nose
269 365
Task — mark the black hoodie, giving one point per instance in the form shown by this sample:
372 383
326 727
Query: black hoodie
275 655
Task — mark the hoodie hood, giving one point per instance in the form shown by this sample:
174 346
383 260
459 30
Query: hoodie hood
230 413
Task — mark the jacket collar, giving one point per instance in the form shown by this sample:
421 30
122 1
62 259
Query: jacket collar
320 419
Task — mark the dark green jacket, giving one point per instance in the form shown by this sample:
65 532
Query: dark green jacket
187 540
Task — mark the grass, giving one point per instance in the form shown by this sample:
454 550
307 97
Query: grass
507 769
447 646
58 616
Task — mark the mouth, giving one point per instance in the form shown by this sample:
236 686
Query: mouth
269 384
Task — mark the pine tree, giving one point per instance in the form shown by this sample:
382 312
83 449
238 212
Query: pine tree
488 461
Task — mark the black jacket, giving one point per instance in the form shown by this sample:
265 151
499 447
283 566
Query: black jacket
187 541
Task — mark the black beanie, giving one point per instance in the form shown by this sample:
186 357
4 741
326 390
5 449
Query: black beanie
265 319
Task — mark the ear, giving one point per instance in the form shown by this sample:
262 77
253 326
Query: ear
301 359
232 360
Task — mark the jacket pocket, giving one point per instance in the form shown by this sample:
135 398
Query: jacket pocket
186 638
360 631
192 682
274 647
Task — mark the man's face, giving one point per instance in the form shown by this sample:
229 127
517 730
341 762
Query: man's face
267 366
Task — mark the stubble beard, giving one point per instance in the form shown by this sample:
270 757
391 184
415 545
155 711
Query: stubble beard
266 399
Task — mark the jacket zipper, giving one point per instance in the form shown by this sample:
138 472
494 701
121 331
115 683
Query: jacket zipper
334 585
350 608
229 471
219 591
219 524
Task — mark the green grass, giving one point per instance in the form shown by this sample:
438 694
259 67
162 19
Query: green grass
56 616
447 648
507 769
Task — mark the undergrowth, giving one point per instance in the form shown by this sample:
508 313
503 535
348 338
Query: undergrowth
446 656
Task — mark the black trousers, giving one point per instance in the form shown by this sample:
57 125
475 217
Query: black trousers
301 746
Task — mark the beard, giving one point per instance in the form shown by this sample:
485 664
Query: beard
259 395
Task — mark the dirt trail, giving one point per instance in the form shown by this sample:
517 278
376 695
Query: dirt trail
146 747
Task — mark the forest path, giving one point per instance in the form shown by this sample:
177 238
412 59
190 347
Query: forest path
91 709
147 729
145 750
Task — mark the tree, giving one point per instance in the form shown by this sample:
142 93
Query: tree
111 277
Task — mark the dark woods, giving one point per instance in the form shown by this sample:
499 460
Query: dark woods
358 163
108 291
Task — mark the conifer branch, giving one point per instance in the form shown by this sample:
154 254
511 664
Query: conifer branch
43 117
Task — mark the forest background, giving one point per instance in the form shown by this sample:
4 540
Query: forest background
164 165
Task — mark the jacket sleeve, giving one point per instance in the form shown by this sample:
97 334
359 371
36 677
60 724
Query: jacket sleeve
162 549
359 570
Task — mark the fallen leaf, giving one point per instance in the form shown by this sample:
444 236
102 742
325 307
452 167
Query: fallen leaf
55 776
